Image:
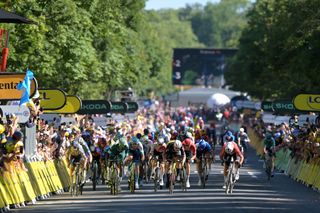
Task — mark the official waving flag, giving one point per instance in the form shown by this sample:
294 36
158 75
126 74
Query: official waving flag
25 87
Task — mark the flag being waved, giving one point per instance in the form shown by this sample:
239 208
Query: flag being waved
25 87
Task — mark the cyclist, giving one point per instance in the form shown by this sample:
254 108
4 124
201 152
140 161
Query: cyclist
174 153
147 145
269 146
190 151
228 136
118 152
156 153
203 150
230 150
136 154
75 154
243 139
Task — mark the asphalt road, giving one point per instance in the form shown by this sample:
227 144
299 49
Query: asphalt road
252 193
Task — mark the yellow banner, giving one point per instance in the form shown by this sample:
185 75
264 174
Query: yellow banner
73 105
52 99
307 102
8 86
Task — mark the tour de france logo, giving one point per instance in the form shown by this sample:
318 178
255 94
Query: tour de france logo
307 102
314 102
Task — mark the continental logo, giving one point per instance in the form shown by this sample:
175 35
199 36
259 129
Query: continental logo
11 85
8 86
307 102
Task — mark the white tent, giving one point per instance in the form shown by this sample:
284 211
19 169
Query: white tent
199 96
218 100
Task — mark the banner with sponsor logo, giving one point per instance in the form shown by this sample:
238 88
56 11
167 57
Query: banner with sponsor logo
52 99
95 107
132 107
8 86
266 106
307 102
119 107
284 107
248 105
73 105
22 112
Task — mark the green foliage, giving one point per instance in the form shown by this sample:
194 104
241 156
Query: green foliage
217 25
279 50
91 48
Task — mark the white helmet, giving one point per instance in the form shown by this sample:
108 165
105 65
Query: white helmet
178 144
229 148
160 141
189 135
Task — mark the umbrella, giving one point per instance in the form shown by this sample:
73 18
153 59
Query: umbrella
8 17
218 100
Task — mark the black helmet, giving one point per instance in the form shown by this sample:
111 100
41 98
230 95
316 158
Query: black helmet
17 136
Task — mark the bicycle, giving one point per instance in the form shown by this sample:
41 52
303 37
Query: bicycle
76 188
203 171
268 164
114 181
146 171
132 177
231 177
156 178
94 174
183 178
172 176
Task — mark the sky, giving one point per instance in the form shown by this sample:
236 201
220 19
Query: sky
173 4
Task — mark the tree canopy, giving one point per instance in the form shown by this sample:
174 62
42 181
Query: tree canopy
278 50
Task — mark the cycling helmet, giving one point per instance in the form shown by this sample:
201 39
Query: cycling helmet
177 144
187 142
229 148
17 136
146 131
229 133
202 144
268 135
277 135
122 143
189 135
160 141
75 144
134 141
230 138
174 135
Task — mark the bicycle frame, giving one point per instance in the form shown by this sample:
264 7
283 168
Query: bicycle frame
203 167
114 178
132 177
231 177
268 165
76 188
157 172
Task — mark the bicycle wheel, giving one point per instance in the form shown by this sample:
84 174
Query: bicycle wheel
183 177
132 178
229 180
156 179
114 181
268 167
94 175
172 180
78 182
203 173
73 185
145 172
